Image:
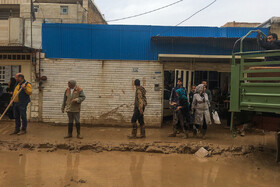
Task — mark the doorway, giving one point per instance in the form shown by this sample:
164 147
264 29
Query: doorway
6 73
170 81
187 77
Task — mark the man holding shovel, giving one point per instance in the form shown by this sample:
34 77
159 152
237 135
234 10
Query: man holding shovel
73 97
21 98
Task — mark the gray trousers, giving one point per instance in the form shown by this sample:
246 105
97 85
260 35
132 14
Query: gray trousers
73 116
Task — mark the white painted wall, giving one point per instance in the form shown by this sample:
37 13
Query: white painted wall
108 86
10 2
11 32
4 32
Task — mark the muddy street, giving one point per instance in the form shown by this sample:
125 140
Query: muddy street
63 168
105 157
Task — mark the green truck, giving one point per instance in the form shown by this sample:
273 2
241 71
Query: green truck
255 84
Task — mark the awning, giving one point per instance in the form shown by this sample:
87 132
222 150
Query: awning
202 45
16 49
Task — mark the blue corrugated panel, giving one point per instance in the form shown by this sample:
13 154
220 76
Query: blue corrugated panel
131 42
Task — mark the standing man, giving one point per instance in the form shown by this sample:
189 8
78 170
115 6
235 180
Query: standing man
139 107
20 103
207 91
174 102
269 43
191 94
73 97
174 98
182 112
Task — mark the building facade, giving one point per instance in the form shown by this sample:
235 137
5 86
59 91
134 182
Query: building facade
15 25
106 59
18 53
273 24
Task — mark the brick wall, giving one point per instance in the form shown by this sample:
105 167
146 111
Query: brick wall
108 86
94 15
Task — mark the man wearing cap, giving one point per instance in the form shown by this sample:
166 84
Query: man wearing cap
20 103
73 97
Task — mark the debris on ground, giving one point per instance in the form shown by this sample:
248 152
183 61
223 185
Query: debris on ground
79 181
202 153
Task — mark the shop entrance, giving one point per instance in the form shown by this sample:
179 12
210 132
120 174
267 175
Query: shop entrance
186 76
193 69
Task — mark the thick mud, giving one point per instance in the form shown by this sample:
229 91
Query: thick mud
158 147
62 168
48 138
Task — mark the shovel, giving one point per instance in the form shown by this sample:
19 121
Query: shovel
11 102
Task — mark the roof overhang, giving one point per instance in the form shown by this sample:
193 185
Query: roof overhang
191 58
197 58
17 49
185 38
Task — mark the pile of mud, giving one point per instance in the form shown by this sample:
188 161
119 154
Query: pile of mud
155 147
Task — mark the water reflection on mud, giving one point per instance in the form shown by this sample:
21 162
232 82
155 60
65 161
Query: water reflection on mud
135 169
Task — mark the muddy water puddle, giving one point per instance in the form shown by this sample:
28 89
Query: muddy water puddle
135 169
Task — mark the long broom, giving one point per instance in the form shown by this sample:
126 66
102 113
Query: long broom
11 102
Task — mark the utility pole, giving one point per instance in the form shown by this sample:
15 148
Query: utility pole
31 15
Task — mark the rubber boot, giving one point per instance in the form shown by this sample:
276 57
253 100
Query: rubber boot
277 136
203 133
242 133
194 132
174 133
142 131
78 126
186 136
134 131
70 130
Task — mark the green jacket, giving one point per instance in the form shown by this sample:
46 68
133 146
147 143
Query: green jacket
78 96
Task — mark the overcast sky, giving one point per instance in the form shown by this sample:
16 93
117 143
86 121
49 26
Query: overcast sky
217 15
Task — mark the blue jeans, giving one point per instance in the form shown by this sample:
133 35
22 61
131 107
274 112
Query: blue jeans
20 116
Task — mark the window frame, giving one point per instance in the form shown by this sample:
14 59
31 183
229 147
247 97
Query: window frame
62 8
36 8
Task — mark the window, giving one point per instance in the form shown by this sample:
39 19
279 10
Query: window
64 10
2 74
36 8
212 78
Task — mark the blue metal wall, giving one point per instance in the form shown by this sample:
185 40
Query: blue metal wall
128 42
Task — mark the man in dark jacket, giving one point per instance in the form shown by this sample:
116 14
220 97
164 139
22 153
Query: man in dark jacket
174 102
207 90
173 97
20 103
182 112
269 43
139 107
191 94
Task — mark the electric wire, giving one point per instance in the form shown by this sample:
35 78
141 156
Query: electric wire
137 15
188 18
196 13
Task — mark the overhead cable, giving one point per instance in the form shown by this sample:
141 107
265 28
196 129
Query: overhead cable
190 16
137 15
